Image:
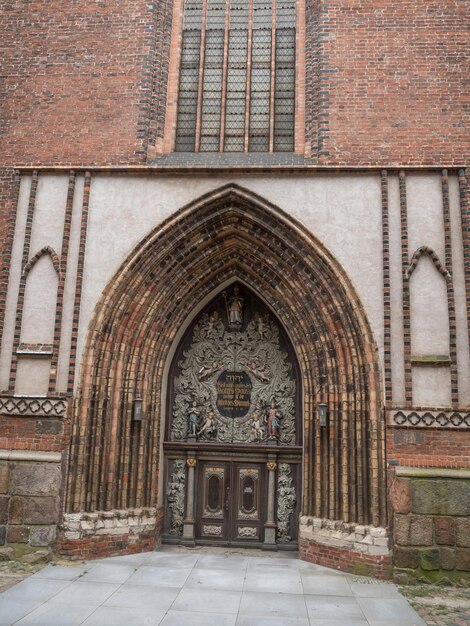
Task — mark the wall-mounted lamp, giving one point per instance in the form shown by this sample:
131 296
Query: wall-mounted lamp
137 410
322 413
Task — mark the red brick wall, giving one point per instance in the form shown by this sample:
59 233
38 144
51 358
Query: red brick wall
85 82
416 447
72 88
395 82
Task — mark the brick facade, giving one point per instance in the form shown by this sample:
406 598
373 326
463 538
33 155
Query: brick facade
90 87
87 83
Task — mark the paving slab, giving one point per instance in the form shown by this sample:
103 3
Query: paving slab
174 586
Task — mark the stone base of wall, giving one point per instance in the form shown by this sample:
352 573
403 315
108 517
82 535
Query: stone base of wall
29 499
109 533
354 548
431 525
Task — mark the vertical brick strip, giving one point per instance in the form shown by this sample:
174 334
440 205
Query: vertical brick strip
465 217
11 190
454 381
200 90
248 75
273 77
223 101
61 284
78 286
406 290
22 287
386 290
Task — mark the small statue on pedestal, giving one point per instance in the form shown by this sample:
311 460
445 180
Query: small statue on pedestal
272 420
193 420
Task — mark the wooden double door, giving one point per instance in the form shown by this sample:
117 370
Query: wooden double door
231 502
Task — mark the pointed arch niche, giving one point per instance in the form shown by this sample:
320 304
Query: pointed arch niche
226 236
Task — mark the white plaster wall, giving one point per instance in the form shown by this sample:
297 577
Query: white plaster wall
425 218
49 213
429 310
14 281
344 213
40 303
32 376
431 387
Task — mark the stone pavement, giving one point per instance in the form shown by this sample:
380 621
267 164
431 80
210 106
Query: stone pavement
202 587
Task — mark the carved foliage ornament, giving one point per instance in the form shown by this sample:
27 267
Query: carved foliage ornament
175 497
287 499
234 386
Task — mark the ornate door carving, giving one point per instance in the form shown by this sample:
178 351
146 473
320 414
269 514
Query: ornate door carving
234 377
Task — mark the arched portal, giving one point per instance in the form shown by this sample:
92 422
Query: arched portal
234 408
228 235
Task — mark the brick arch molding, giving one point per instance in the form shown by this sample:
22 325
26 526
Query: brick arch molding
231 233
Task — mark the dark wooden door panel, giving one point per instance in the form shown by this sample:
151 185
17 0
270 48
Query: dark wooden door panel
231 502
212 521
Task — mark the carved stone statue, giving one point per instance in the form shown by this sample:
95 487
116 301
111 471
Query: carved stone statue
257 427
234 304
272 419
259 372
208 427
193 419
207 371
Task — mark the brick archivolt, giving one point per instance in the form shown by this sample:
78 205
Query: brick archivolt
230 234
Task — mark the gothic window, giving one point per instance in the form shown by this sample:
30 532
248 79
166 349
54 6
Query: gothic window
237 76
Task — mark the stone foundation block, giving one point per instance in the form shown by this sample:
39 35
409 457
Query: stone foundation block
35 479
462 559
462 532
440 497
4 509
41 510
401 529
18 534
406 557
15 513
421 531
400 495
4 475
429 559
447 558
444 531
42 536
3 535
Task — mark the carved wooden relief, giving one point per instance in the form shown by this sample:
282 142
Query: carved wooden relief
234 380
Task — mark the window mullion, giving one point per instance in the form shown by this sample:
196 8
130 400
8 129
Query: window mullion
273 78
201 77
223 103
248 75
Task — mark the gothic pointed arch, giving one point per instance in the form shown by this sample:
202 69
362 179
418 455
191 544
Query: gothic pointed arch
427 251
228 235
45 251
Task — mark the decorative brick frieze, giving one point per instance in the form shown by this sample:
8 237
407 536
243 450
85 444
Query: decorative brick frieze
33 406
429 419
115 522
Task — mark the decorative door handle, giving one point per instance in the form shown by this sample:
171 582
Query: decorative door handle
227 497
